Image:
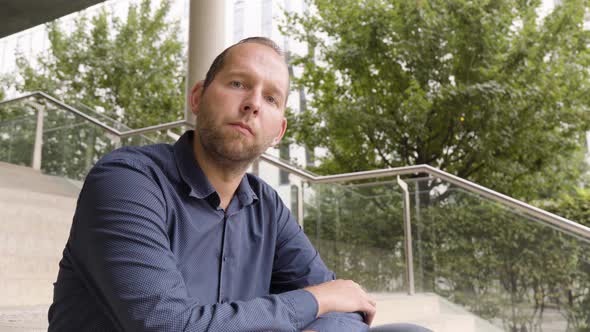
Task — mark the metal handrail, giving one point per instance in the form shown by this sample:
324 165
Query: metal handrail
102 116
547 217
111 130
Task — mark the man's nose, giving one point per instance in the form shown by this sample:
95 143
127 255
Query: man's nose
252 103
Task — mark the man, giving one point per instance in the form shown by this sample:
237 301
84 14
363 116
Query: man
180 238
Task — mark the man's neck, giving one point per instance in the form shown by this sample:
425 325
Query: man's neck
224 179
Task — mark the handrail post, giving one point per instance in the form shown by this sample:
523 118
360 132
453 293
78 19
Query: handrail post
418 223
38 146
300 203
408 237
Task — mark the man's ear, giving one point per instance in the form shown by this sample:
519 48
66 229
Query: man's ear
277 139
195 97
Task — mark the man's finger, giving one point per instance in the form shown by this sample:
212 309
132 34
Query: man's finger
369 316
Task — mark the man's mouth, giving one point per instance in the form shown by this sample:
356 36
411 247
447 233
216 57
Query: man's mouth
243 128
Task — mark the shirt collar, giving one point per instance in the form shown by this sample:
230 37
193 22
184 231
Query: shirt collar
192 174
245 193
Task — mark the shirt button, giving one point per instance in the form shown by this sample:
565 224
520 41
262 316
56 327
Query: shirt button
225 258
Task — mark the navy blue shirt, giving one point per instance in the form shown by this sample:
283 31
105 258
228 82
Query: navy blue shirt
151 250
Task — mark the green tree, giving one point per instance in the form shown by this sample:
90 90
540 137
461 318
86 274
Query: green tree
487 90
131 70
575 205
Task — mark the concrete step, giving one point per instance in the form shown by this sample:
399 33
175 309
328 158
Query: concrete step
36 213
21 177
446 323
31 244
481 325
38 219
19 267
22 196
29 291
428 310
395 307
23 318
29 214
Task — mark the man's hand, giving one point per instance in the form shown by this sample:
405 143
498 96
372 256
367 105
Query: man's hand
343 296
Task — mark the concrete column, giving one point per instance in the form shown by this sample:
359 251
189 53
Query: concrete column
206 39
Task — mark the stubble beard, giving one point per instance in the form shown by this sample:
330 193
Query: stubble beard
230 150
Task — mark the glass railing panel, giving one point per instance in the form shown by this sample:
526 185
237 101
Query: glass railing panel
137 140
101 116
71 144
17 132
71 150
17 138
358 231
18 109
154 137
117 117
508 268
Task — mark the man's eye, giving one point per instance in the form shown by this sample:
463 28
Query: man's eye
271 99
236 84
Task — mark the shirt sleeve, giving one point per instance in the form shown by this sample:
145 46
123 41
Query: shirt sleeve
120 246
297 264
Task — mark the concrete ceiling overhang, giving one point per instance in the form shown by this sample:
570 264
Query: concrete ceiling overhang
19 15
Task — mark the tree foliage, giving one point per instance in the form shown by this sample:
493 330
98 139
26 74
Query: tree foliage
487 90
131 70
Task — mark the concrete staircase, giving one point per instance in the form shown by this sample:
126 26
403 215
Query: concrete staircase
35 216
428 310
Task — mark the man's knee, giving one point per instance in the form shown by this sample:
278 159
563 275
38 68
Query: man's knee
400 327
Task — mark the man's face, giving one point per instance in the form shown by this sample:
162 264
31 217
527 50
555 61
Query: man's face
241 113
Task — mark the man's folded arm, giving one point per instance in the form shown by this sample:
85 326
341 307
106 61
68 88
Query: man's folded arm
297 264
119 244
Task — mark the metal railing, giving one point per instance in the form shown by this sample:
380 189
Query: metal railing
548 217
551 219
98 123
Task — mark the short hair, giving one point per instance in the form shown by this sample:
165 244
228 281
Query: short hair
217 64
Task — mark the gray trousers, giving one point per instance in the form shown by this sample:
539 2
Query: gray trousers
400 327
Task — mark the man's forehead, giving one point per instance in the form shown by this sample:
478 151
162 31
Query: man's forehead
243 56
256 51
